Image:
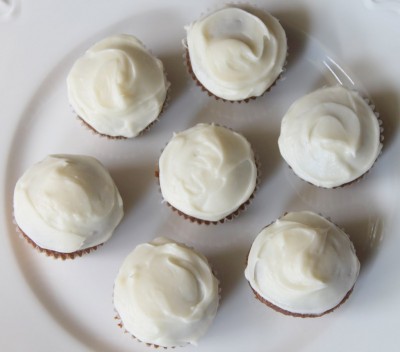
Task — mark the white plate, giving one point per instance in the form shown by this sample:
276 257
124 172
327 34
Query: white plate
51 305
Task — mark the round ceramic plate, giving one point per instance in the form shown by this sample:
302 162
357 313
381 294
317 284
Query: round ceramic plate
54 305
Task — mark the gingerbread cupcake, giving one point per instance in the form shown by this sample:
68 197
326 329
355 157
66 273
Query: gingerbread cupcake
207 173
235 55
118 88
302 265
330 137
165 294
66 205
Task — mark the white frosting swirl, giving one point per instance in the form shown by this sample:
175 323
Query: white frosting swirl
236 55
207 172
67 203
330 137
302 263
117 86
166 294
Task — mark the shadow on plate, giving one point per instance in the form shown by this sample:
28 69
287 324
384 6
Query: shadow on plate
367 235
133 182
229 265
387 103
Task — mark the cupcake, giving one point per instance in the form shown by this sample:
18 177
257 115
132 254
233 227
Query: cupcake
165 294
66 205
207 173
118 88
302 265
235 55
330 137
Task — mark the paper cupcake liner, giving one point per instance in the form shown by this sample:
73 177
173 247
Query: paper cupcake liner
97 133
381 139
230 216
186 56
300 315
120 324
51 253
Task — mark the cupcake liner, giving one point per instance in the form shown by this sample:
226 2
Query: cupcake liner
229 217
187 62
299 315
51 253
97 133
120 324
381 139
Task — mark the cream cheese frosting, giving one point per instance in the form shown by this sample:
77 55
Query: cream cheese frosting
330 137
118 87
207 172
166 294
302 263
67 203
236 55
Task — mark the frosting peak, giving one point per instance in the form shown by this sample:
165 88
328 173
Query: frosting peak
330 137
166 294
299 247
207 172
117 86
234 54
302 263
67 203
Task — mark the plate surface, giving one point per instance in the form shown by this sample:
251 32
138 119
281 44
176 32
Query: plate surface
51 305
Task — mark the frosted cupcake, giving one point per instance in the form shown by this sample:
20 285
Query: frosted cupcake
207 173
235 55
302 265
330 137
165 294
67 205
118 88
